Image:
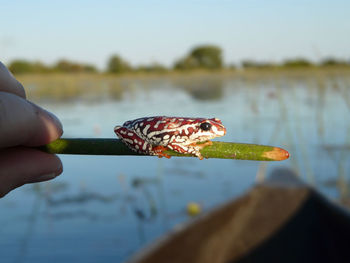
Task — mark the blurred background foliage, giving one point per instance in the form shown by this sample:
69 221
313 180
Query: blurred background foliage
207 57
202 57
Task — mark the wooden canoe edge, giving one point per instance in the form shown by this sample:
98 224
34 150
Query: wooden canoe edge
234 229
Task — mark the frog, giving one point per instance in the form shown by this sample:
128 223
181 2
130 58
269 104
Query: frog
157 134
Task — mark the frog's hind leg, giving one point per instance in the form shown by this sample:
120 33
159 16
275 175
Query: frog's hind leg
132 140
159 150
137 144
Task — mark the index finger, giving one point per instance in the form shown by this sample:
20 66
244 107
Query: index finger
24 123
9 84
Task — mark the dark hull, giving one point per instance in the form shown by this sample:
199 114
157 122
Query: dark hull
282 220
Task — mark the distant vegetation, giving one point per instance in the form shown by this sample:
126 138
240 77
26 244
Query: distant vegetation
297 63
204 57
68 66
23 66
62 66
118 65
154 67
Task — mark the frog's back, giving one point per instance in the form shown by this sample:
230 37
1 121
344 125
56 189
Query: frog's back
158 129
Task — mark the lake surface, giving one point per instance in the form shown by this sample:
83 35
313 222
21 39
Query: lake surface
105 208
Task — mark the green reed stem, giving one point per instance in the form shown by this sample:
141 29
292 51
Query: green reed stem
222 150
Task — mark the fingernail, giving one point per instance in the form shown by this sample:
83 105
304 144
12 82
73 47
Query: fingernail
56 120
46 177
46 112
21 89
39 110
59 169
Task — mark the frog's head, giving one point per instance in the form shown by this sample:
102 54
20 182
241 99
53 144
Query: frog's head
206 129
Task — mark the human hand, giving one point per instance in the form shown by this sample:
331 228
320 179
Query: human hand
22 125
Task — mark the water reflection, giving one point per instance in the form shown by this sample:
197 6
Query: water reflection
126 202
81 198
96 90
203 88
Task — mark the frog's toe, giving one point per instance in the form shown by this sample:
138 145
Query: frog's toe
159 151
160 155
202 145
198 154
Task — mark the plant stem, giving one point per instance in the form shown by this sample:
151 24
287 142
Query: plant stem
222 150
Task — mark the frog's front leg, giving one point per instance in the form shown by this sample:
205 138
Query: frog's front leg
193 148
137 144
198 147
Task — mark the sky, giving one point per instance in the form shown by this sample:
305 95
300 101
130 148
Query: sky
162 31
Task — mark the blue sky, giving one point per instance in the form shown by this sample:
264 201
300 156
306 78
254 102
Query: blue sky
162 31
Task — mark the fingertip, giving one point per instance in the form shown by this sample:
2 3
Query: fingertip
57 123
52 169
49 126
21 165
24 123
53 126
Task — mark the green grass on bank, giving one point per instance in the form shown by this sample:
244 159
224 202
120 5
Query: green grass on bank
95 86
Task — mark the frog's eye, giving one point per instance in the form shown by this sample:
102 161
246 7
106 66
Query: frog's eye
205 126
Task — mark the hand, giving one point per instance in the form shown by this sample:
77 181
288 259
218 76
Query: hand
24 124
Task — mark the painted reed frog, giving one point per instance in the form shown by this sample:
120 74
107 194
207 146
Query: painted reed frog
154 135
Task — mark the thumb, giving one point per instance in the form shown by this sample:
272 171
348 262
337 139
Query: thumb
21 165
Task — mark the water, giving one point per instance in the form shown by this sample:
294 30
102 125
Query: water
104 208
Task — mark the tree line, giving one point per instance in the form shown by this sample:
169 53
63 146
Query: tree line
208 57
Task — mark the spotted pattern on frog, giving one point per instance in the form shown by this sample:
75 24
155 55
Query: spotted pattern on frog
154 135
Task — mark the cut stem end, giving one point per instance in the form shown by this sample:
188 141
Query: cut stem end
277 154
